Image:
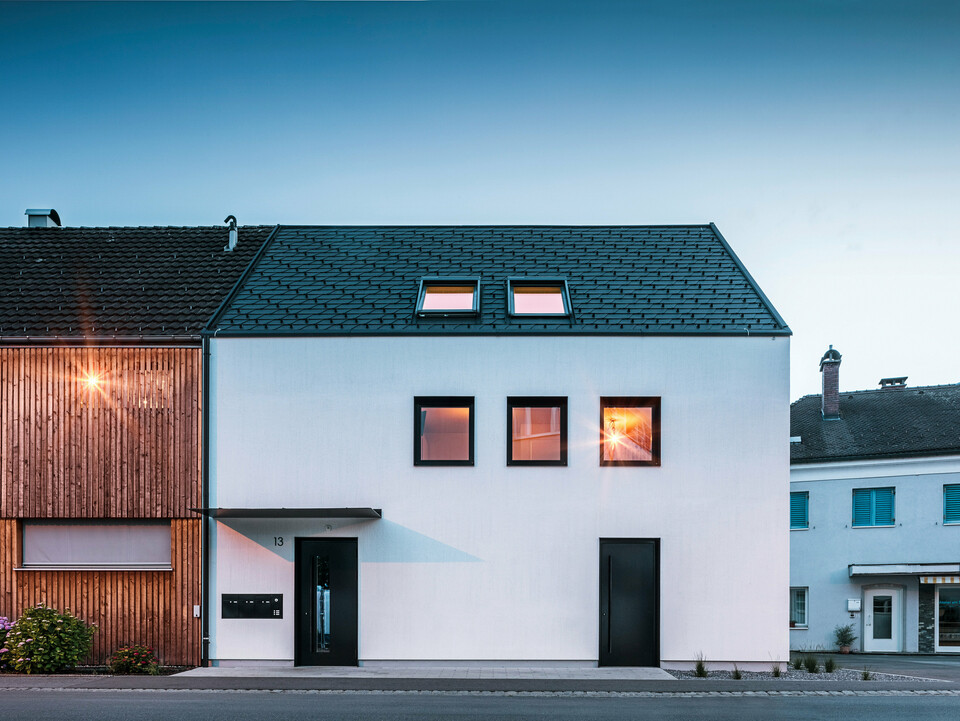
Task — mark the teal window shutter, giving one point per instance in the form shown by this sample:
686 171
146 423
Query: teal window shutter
951 503
883 506
799 509
873 506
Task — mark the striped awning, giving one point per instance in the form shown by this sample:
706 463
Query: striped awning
940 579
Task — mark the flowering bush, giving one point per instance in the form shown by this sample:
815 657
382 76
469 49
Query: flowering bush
134 659
5 626
43 640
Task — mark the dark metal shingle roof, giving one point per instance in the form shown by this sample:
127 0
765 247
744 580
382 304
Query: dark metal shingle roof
69 283
888 423
622 279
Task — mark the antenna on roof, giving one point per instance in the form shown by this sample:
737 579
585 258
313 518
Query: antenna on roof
232 243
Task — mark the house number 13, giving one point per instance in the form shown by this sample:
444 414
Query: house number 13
278 540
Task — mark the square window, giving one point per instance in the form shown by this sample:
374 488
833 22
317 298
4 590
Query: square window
873 507
443 431
798 608
799 510
630 431
448 296
538 297
537 431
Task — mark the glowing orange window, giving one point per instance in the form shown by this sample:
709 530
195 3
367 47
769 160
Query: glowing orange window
538 297
630 431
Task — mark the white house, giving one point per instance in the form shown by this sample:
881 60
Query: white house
875 516
555 445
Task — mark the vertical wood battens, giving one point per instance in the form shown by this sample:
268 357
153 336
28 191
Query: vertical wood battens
154 608
129 449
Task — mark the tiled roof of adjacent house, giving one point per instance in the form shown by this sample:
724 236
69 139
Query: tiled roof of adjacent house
622 279
63 283
883 423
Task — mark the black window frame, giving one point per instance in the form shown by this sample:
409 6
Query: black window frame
652 402
537 402
422 402
426 282
560 283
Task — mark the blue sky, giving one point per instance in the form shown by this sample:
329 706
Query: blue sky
822 137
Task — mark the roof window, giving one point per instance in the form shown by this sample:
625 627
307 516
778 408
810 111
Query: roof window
538 297
448 296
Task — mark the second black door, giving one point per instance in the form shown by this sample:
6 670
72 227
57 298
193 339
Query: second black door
629 602
326 602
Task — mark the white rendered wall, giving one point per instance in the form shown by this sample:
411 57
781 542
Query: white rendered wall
495 562
820 555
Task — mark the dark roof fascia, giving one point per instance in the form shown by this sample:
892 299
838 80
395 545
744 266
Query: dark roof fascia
750 280
877 456
182 341
518 332
207 329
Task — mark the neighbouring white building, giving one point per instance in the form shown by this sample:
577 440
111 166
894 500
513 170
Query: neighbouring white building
556 445
875 516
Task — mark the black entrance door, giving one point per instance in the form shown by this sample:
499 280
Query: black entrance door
326 602
629 602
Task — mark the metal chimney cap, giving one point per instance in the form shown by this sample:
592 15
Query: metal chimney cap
44 213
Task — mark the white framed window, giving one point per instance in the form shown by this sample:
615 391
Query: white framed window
97 545
798 607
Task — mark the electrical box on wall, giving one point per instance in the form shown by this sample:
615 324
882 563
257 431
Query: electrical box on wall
251 605
853 604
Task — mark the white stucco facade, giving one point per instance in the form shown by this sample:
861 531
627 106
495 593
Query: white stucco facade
497 562
889 560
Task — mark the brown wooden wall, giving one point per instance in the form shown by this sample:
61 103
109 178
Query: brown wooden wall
153 608
129 447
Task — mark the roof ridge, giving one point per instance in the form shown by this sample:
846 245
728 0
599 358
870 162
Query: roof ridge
882 390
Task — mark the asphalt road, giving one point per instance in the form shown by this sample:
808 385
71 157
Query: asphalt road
297 706
945 668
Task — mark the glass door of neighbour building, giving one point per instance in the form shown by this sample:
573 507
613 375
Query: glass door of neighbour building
326 602
882 619
948 619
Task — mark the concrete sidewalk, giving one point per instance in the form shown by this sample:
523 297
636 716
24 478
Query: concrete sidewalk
464 679
411 671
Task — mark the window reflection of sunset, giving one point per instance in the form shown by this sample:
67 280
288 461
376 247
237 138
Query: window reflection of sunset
627 433
448 297
538 299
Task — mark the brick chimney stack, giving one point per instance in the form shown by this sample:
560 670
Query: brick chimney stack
830 398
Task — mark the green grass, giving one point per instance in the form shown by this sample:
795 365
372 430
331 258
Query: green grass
700 669
810 663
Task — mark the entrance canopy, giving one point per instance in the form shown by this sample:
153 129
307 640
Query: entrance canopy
904 569
351 513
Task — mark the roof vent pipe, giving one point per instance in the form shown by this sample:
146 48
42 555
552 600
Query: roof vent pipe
42 218
232 243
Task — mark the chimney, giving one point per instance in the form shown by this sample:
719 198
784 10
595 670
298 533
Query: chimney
898 382
42 218
232 238
830 398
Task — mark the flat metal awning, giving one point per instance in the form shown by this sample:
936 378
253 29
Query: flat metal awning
354 513
904 569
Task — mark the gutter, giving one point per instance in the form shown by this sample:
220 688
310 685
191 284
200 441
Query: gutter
205 603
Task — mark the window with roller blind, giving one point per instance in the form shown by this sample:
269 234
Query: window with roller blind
873 507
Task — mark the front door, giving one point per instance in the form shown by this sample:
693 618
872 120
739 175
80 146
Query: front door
629 602
326 602
881 619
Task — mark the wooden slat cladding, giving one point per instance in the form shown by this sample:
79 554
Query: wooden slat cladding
154 608
126 446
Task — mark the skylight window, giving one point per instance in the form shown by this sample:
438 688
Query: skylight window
448 296
538 297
